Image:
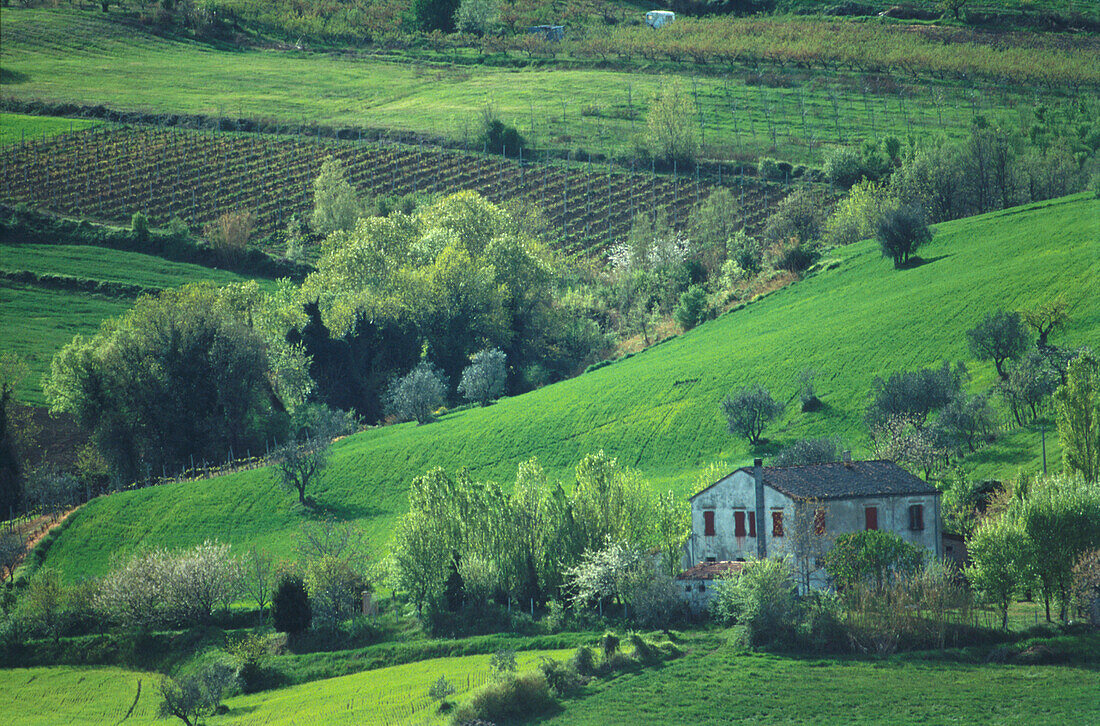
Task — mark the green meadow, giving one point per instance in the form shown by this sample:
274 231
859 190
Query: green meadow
722 687
852 320
36 322
49 55
17 127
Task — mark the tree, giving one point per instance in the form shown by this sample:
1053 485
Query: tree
1047 318
810 539
190 697
334 590
1077 406
671 125
953 6
966 421
1031 380
336 207
420 561
871 557
257 576
749 410
42 607
672 522
800 217
230 232
901 230
1000 553
712 224
203 579
418 394
12 371
52 490
855 215
476 17
1000 336
290 608
483 380
435 14
299 463
1061 517
186 376
11 552
693 307
611 573
914 395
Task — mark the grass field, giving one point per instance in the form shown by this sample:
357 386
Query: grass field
394 695
49 55
37 322
658 410
721 688
17 127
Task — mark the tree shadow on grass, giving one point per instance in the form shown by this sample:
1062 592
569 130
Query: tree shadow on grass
9 77
914 262
316 511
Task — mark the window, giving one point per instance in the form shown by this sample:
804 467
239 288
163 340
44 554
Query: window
819 522
916 517
870 518
739 524
777 524
708 523
752 524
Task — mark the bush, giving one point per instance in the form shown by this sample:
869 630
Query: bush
793 256
671 125
290 608
336 207
763 598
693 307
584 661
230 232
844 167
561 676
873 558
800 217
334 590
496 136
515 699
139 225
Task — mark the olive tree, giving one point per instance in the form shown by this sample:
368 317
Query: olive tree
483 380
1000 554
1000 336
417 395
749 410
901 230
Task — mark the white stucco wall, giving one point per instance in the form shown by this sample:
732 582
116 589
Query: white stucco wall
738 492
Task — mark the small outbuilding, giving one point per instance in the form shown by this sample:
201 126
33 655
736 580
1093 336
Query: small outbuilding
696 584
552 33
659 18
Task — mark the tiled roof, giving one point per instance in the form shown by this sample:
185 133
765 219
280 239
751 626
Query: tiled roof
839 480
710 570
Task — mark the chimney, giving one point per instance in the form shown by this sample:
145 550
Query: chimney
848 457
761 527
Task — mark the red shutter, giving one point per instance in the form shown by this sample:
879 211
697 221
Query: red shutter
752 524
708 524
916 517
777 524
738 524
819 522
870 515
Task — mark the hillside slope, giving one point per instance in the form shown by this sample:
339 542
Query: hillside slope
658 410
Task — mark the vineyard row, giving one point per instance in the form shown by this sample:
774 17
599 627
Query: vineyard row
111 172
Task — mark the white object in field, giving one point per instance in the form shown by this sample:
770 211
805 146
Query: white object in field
657 18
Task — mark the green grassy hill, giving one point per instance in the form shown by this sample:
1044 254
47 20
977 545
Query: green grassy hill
36 322
658 410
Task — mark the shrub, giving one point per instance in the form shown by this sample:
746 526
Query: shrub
584 661
693 307
768 168
139 225
497 136
872 557
844 167
671 125
793 256
290 608
503 664
762 598
562 678
250 654
800 216
515 699
656 602
336 207
230 232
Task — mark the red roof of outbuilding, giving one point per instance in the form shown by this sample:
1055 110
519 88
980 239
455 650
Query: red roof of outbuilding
711 570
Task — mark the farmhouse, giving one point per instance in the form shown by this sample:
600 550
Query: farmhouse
769 511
